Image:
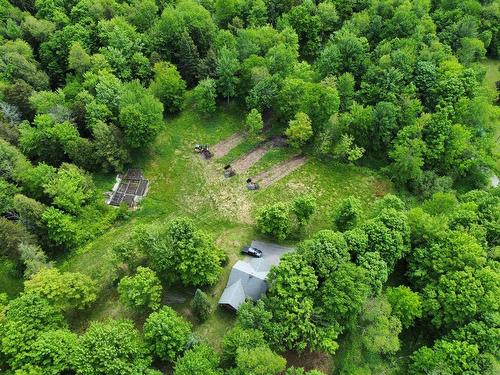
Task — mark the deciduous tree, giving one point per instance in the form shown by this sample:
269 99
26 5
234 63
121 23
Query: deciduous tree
343 294
65 291
299 130
71 188
54 351
166 334
290 301
142 290
274 220
204 96
325 252
376 270
259 361
227 67
26 318
141 115
61 228
239 337
406 304
168 86
183 253
113 347
455 357
254 124
200 360
380 327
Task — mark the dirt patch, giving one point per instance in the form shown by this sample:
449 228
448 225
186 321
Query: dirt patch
381 188
279 141
309 360
244 163
279 171
174 298
223 147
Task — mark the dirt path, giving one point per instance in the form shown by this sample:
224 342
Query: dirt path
279 171
223 147
244 163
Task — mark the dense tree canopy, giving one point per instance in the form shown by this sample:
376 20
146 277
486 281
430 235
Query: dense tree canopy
63 290
26 318
111 347
200 360
181 253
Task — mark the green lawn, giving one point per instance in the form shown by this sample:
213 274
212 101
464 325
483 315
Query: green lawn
184 184
492 76
492 73
11 282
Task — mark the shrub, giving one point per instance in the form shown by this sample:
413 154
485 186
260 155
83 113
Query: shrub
347 214
201 305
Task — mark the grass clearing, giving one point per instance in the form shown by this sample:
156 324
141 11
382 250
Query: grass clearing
182 183
492 73
492 76
11 282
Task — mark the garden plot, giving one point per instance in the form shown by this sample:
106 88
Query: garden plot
246 161
223 147
279 171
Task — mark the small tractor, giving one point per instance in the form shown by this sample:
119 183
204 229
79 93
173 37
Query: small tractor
203 150
252 185
229 171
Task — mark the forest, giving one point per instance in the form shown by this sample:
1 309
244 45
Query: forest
370 128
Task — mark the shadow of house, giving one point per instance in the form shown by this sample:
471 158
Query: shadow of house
248 278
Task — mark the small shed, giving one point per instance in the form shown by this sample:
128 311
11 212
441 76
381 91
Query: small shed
129 188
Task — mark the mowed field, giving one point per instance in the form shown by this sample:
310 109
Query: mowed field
184 184
492 76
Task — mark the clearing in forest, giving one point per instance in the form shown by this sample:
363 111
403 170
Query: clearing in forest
182 184
226 145
279 171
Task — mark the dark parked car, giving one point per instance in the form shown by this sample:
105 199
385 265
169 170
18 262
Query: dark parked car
252 251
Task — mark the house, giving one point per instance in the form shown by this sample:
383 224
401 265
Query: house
248 278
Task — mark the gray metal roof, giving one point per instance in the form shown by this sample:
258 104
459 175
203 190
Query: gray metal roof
260 265
248 277
247 280
233 295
